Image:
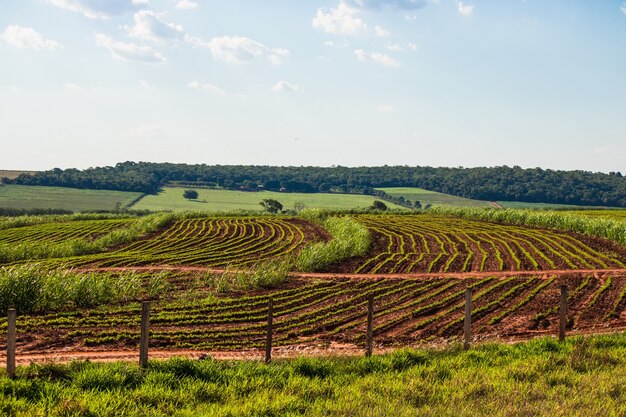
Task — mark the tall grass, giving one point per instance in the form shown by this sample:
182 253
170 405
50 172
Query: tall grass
263 276
349 238
33 288
581 377
612 229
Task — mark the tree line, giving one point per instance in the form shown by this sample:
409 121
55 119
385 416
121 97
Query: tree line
501 183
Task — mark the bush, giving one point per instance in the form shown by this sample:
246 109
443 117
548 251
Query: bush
190 194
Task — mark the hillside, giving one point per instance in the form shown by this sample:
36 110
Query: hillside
490 184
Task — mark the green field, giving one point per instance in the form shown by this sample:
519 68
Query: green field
35 197
433 198
224 200
545 206
582 377
619 214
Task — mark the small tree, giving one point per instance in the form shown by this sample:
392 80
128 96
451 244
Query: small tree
417 204
190 194
379 205
271 205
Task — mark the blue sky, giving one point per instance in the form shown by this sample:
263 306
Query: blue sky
344 82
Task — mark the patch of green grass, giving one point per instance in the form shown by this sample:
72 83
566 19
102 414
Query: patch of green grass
619 214
225 200
543 206
30 197
433 198
582 377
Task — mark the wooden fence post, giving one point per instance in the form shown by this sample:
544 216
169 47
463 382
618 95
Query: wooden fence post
370 322
468 319
268 342
145 331
563 313
11 343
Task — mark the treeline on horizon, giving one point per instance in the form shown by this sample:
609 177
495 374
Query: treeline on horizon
502 183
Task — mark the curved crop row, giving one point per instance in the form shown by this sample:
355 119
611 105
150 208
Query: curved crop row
426 243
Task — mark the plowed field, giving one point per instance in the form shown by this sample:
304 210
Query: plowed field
413 244
407 311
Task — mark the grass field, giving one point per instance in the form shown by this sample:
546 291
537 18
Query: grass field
545 206
35 197
433 198
581 377
619 214
6 173
225 200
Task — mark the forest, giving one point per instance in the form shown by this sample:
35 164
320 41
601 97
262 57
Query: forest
500 183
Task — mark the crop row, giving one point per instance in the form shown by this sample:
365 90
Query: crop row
425 243
335 310
216 242
61 231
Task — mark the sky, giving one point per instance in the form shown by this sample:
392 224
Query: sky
468 83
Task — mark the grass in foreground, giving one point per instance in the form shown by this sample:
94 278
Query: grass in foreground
583 377
225 200
35 197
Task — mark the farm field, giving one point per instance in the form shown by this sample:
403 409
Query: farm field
225 200
36 197
547 206
11 174
417 268
617 214
433 197
214 242
310 312
427 243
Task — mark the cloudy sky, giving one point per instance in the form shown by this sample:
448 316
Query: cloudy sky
313 82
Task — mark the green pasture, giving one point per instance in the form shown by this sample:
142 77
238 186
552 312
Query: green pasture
581 377
36 197
225 200
433 198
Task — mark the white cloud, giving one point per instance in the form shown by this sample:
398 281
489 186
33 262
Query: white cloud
149 130
394 4
239 49
22 37
381 31
100 9
385 108
149 26
186 5
74 88
412 46
285 87
129 51
394 47
623 8
213 89
340 44
410 17
14 88
376 57
145 84
339 20
465 9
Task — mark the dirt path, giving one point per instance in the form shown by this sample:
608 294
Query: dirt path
333 275
284 352
496 205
